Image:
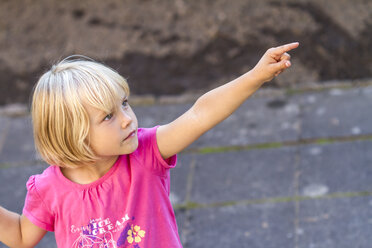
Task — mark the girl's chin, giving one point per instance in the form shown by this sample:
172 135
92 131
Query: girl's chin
130 147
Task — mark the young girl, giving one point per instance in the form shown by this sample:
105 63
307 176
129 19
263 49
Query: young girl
108 180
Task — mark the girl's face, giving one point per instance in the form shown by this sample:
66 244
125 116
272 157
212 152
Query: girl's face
114 134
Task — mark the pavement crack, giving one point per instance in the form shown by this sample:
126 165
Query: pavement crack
22 164
4 134
297 174
187 226
296 177
272 145
195 205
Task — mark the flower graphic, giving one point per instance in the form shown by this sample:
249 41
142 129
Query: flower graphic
135 234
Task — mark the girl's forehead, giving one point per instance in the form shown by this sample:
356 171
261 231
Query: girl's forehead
105 102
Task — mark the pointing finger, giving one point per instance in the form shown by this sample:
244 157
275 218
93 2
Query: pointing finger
278 51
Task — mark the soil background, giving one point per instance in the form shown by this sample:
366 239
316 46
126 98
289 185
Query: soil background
168 47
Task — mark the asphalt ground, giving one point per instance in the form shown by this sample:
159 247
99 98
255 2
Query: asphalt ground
287 170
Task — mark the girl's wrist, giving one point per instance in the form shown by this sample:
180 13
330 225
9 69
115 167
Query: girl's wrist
254 79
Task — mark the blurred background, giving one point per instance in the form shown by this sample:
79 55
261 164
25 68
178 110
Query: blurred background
288 169
173 47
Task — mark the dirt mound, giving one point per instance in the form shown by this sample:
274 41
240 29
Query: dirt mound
170 47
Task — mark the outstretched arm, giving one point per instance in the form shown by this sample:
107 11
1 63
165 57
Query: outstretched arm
18 231
219 103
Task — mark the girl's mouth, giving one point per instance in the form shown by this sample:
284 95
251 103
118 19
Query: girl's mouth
131 135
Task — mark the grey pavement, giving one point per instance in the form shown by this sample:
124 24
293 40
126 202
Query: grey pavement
291 170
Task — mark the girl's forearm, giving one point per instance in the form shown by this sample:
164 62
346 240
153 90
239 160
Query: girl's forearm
219 103
10 228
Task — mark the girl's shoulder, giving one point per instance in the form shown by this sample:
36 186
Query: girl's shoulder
44 181
146 134
148 154
146 139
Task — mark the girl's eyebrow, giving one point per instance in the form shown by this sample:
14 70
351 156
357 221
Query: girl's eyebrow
101 115
98 117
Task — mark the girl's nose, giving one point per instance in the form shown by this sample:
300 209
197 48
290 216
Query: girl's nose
125 120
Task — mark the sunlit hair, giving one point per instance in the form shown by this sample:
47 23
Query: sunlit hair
60 122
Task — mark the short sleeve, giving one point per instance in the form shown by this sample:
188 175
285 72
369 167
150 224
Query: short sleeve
35 208
148 148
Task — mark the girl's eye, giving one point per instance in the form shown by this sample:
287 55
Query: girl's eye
125 103
108 117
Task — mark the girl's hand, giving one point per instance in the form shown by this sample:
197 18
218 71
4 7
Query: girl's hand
273 62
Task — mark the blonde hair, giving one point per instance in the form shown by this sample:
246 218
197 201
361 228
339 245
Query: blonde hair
60 121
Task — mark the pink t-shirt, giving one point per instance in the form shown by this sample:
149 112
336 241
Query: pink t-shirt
128 207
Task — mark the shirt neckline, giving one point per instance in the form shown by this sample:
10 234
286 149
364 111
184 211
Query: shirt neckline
99 181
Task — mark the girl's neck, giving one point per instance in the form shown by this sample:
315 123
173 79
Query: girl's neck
89 173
